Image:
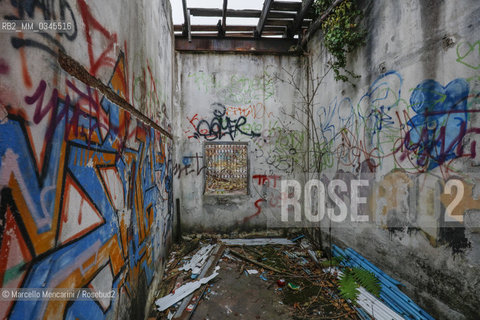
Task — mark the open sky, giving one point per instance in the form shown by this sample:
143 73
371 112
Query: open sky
232 4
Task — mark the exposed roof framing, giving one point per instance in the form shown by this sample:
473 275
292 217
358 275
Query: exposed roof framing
267 5
293 16
297 22
287 23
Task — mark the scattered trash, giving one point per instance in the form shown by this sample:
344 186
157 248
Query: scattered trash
257 242
198 260
227 308
262 276
280 263
313 255
256 262
298 238
291 255
307 271
293 286
182 292
303 261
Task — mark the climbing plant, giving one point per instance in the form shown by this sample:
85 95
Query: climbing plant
342 34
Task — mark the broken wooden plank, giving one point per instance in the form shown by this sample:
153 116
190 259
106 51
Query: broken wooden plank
208 268
257 242
264 266
180 293
198 260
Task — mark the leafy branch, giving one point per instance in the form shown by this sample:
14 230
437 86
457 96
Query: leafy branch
342 34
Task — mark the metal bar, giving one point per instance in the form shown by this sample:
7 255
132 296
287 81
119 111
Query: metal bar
75 69
297 22
189 28
224 14
185 17
237 45
267 4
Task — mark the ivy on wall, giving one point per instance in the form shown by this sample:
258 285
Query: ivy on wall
342 34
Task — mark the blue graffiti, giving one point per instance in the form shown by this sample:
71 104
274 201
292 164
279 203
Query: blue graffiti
382 97
441 121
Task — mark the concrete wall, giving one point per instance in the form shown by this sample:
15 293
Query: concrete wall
86 197
420 56
244 89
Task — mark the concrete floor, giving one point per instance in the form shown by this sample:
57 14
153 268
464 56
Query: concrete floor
237 296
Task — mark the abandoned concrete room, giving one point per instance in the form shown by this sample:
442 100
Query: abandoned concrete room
240 159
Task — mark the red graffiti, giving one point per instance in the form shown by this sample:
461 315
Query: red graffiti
91 25
262 179
4 68
259 210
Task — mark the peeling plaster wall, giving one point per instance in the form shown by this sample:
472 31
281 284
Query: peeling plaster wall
412 123
86 188
255 103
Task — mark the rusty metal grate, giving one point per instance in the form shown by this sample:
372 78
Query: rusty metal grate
226 168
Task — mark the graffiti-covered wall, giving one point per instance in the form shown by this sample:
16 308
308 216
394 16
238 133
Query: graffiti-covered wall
86 187
411 124
225 99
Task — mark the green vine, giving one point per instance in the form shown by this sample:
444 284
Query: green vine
342 34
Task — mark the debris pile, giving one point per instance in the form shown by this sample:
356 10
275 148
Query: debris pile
208 280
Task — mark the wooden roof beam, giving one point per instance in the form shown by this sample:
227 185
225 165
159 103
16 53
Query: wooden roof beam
238 34
201 27
284 22
207 12
248 13
267 5
286 6
297 22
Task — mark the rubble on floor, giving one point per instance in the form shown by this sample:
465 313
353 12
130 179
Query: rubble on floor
270 278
